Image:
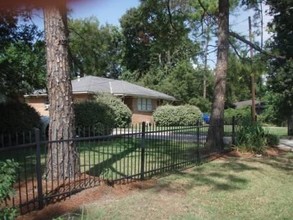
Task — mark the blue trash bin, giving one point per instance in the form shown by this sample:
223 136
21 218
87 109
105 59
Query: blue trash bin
206 118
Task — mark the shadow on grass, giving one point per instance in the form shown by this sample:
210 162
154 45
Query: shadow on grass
220 176
223 175
103 167
283 162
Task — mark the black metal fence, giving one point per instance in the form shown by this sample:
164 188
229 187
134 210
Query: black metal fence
127 154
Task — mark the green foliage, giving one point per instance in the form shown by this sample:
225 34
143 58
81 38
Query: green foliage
7 178
272 139
188 81
237 113
280 70
121 113
251 136
22 54
272 113
176 115
93 118
17 117
203 104
96 49
238 79
152 39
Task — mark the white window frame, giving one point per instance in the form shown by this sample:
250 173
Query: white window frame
144 105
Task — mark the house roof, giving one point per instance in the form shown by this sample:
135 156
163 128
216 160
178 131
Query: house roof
94 84
245 103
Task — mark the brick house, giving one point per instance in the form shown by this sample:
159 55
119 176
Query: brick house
140 100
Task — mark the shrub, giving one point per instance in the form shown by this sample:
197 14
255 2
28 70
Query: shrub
17 117
121 112
203 104
272 139
237 113
93 118
251 136
176 115
7 178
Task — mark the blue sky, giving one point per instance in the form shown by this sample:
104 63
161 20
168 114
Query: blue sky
107 11
110 11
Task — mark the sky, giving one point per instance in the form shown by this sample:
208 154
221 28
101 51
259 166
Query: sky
110 11
107 11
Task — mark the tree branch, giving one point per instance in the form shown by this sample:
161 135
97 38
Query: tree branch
170 16
254 46
235 50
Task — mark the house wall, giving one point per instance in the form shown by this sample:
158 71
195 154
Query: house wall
77 98
39 103
141 116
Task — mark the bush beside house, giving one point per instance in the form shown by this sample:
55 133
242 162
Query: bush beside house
93 118
100 116
17 117
121 113
182 115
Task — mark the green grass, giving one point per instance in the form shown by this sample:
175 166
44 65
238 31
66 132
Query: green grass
279 131
112 159
255 188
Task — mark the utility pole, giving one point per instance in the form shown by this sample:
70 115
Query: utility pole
253 114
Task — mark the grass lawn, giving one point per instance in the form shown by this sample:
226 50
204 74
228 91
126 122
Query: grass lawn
279 131
228 188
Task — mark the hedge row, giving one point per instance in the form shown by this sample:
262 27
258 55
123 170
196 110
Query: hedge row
181 115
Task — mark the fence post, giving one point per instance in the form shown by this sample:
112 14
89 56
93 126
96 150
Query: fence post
142 151
38 169
233 130
197 139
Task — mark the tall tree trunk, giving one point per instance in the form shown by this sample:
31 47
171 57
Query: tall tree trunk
62 159
216 129
290 125
206 48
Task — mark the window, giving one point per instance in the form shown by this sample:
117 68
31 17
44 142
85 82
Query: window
144 104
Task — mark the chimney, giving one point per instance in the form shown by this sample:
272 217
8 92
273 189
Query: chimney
78 77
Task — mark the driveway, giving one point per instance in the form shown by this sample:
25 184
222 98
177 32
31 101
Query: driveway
286 144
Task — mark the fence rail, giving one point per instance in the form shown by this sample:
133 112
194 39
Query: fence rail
127 154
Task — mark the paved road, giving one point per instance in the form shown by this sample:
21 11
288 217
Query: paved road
286 144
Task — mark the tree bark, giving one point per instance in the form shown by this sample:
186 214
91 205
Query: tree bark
216 129
290 125
62 159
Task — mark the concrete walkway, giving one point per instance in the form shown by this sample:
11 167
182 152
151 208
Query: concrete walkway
286 144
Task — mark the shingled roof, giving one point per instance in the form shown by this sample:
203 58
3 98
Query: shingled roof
94 84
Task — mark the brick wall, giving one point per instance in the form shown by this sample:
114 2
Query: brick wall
40 103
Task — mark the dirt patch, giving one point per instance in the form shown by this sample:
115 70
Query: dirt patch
273 152
72 204
269 152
